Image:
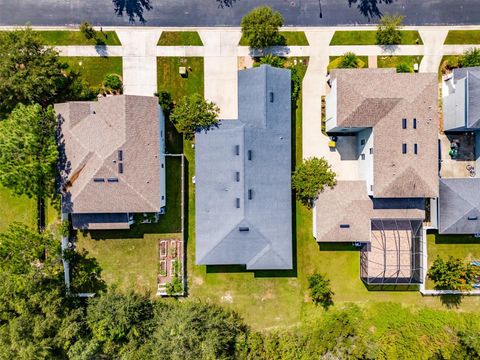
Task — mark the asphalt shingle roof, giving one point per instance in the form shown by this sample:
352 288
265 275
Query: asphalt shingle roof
92 135
243 178
381 98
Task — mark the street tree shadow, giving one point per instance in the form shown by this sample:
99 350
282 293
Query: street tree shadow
133 9
225 3
369 8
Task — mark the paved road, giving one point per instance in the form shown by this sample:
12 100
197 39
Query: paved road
210 13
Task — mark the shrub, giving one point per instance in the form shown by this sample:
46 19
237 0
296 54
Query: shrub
165 101
470 57
113 82
388 32
349 61
65 228
404 68
269 59
320 290
175 286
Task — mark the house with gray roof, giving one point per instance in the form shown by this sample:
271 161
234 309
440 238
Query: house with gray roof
243 213
391 121
459 203
113 160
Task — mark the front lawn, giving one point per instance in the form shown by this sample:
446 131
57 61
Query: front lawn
465 247
368 37
66 37
289 38
463 37
16 209
169 79
179 38
94 69
394 61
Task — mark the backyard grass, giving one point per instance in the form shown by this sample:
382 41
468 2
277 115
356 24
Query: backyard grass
128 263
65 37
290 38
16 209
179 38
463 37
394 61
94 69
368 37
335 62
464 247
168 78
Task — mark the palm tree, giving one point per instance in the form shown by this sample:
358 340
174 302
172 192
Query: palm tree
349 61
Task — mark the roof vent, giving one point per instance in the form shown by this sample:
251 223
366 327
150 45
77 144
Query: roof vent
250 194
243 228
237 149
344 226
237 203
237 176
112 180
120 168
472 218
271 97
120 155
249 154
98 179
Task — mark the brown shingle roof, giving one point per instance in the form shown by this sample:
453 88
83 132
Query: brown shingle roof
348 204
381 98
92 135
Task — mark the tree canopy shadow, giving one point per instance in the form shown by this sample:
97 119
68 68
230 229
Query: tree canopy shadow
451 301
225 3
369 8
133 9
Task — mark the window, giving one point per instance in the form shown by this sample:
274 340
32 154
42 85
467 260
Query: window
414 123
404 148
404 123
362 142
271 97
344 226
371 151
415 149
362 156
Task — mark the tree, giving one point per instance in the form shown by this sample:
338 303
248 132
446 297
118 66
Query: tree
403 68
452 274
320 290
349 60
469 344
310 178
165 101
470 58
37 321
388 32
193 113
88 31
260 27
31 73
28 151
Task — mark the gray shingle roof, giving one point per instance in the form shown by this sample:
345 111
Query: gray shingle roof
93 133
472 76
381 98
258 179
459 206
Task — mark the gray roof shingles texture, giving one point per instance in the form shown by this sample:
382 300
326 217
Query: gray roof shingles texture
459 206
92 134
381 98
348 204
472 76
258 178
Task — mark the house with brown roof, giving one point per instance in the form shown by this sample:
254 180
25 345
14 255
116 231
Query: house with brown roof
113 160
391 121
